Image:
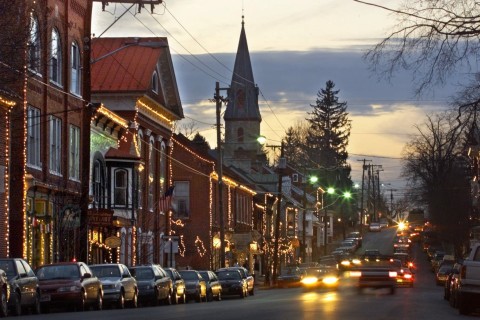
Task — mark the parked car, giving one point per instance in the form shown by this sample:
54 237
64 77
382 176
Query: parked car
4 294
179 290
247 276
119 287
154 285
442 274
69 284
195 284
232 283
214 288
290 277
356 235
450 280
24 290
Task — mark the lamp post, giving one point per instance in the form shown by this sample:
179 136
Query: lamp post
325 223
281 166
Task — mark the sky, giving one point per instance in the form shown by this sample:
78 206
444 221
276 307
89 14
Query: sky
295 48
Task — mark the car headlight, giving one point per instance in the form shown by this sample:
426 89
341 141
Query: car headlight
69 289
330 280
309 280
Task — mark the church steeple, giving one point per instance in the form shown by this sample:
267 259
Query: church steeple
243 103
242 115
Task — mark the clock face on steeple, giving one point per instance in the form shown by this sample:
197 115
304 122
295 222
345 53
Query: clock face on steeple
240 97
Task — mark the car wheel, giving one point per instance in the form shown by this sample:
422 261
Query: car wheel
198 298
463 305
3 303
17 304
99 302
37 307
80 306
209 296
168 299
121 301
219 297
134 302
175 298
184 298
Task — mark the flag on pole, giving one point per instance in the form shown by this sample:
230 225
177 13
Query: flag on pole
166 200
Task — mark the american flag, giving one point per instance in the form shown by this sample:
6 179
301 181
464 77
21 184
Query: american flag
166 200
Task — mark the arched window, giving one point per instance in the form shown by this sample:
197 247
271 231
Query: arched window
56 58
75 73
151 174
155 82
120 187
34 46
99 184
240 135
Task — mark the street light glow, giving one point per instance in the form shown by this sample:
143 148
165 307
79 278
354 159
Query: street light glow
330 190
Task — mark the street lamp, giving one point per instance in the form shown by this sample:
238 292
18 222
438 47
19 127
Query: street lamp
280 167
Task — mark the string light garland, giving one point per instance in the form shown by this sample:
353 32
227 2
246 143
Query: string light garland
9 104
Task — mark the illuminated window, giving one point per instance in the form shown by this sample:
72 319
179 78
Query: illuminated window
55 145
33 137
75 73
56 58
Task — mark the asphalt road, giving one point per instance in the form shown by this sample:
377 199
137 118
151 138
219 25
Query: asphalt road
424 301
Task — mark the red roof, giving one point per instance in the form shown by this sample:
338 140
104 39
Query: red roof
125 64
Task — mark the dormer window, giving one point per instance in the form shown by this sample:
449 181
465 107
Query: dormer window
155 82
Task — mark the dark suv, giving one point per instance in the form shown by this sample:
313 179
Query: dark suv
24 291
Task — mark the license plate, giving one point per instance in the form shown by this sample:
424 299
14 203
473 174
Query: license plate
45 297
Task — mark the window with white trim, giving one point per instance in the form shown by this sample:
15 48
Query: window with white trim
75 73
55 149
56 58
181 200
120 188
33 137
74 153
34 46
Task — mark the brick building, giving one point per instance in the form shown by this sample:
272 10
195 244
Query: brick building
45 179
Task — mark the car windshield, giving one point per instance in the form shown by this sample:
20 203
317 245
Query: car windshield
106 271
229 275
169 273
189 275
204 274
142 273
7 266
52 272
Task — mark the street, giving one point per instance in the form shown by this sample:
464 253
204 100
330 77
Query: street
423 301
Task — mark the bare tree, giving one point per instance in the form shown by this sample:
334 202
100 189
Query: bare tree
188 129
433 38
436 170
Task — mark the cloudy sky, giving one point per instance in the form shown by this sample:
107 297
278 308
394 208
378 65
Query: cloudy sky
295 48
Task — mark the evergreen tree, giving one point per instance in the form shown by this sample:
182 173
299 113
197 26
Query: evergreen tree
327 137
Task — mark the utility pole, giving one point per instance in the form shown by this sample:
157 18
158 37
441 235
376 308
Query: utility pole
364 167
277 220
304 220
218 103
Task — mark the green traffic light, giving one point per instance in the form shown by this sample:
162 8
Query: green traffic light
313 179
330 190
347 194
